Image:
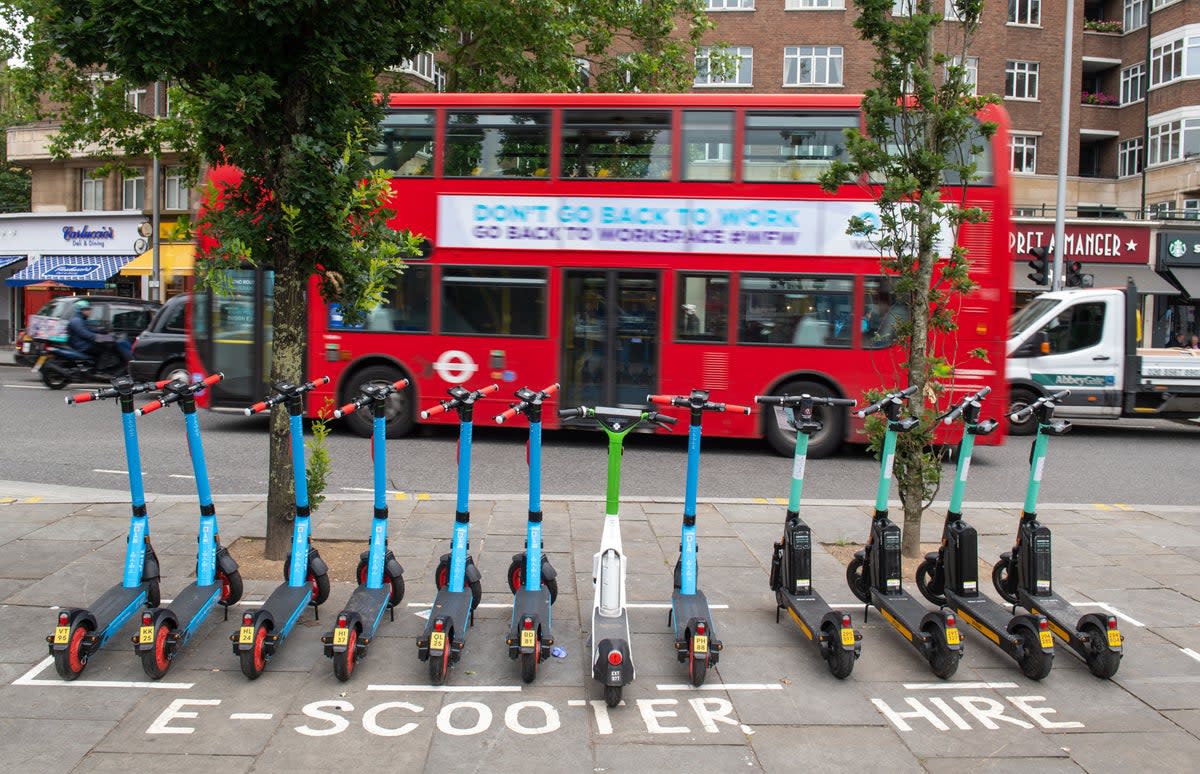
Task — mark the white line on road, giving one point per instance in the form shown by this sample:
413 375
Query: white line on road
720 687
115 472
25 386
639 605
28 679
1192 653
447 688
955 686
1111 611
251 716
179 475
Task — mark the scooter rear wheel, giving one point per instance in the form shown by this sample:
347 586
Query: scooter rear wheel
1035 663
156 661
1005 581
927 583
439 665
343 663
697 667
231 588
612 695
529 665
69 663
1102 662
254 660
856 578
942 661
396 584
516 578
839 660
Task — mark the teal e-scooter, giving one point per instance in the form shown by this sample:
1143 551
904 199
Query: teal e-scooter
80 632
830 630
949 577
531 577
1023 575
165 630
380 576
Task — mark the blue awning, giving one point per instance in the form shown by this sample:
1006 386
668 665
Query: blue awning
77 271
7 260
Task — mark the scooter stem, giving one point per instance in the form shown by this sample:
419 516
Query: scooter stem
887 460
135 555
961 470
798 463
1036 466
612 497
299 568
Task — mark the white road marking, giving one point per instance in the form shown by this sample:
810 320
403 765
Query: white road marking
955 686
115 472
251 716
1192 653
179 475
1111 611
720 687
25 386
28 679
447 688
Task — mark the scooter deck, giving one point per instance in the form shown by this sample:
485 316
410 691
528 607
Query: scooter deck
903 612
369 605
987 617
530 603
454 606
685 607
807 611
1061 615
115 606
287 603
192 605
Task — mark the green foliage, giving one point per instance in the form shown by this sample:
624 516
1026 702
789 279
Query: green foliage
318 456
921 134
538 45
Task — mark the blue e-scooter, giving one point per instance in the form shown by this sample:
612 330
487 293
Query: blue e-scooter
380 576
531 577
459 585
81 631
264 630
696 642
828 629
165 630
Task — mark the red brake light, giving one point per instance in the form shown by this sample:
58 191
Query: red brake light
614 657
63 619
527 623
845 622
1044 624
438 625
950 620
341 622
247 619
700 627
1112 622
145 619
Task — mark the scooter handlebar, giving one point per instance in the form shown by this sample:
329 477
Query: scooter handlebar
955 412
455 402
891 396
572 413
1052 399
684 401
793 401
279 397
112 392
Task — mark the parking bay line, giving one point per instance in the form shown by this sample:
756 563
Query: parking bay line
28 679
720 687
955 686
635 605
446 688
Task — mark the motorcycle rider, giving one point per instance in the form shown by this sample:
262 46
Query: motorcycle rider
82 339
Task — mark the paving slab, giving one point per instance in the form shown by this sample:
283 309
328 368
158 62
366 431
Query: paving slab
33 745
824 748
1167 751
119 763
34 559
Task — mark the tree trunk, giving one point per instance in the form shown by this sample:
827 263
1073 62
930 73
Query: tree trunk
287 347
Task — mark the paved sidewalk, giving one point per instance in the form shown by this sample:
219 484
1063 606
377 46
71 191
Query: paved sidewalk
770 705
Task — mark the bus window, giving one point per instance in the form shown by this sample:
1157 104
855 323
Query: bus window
405 307
786 309
984 172
623 145
492 301
708 145
406 145
497 144
794 147
882 313
703 311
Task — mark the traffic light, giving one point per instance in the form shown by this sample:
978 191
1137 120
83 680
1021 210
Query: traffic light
1040 265
1074 278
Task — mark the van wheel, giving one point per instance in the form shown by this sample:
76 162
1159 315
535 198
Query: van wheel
820 444
399 412
1021 397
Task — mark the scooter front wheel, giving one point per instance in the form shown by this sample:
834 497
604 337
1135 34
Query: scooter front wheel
928 584
516 578
156 661
396 584
343 663
856 578
320 583
231 588
839 660
1005 581
69 663
254 659
612 695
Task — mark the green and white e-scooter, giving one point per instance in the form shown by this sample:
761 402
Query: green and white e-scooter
949 577
612 656
1022 576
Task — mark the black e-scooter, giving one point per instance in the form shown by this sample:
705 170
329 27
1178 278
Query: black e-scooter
165 630
949 577
791 562
81 631
531 577
380 576
1023 575
874 573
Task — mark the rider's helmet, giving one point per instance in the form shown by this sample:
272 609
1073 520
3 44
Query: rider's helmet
83 304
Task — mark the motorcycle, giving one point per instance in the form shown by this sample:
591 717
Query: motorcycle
60 365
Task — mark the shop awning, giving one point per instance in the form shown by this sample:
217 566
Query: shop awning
77 271
8 260
1106 275
174 260
1189 279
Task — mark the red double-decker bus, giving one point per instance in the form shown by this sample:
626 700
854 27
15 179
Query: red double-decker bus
625 245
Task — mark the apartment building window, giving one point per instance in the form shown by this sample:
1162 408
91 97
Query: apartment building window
1166 62
1160 210
422 66
1024 153
742 75
902 7
1026 12
1135 15
950 12
1162 3
175 189
135 99
91 192
1021 80
814 5
1129 157
729 5
1174 141
1133 83
971 75
133 192
812 66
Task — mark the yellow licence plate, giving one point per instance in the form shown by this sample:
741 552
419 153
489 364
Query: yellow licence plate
700 643
341 636
528 638
62 635
437 641
246 635
952 636
847 636
146 635
1114 638
1047 639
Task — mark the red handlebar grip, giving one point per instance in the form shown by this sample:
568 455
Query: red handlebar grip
398 385
349 408
319 382
212 379
162 383
153 405
738 409
661 400
552 389
257 407
81 397
489 389
432 412
506 414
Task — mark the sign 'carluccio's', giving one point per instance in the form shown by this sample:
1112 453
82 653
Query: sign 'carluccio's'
1100 243
86 236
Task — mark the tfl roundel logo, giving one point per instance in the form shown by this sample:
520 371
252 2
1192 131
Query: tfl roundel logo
1177 248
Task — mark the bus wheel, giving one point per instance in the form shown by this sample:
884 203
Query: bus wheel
820 444
399 404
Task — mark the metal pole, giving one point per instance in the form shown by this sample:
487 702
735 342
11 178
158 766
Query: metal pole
156 284
1064 133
